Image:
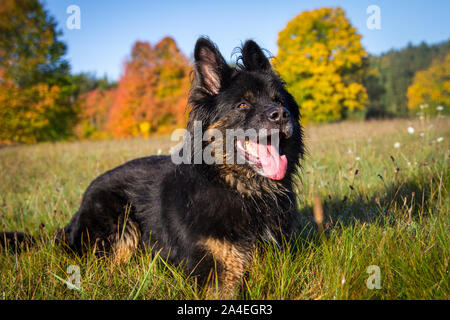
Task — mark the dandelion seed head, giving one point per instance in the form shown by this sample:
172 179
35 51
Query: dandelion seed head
397 145
411 130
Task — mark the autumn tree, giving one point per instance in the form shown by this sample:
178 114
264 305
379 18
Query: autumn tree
95 106
173 83
432 85
321 58
152 92
94 98
35 89
392 72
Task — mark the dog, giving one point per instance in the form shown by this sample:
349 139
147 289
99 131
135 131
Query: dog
207 217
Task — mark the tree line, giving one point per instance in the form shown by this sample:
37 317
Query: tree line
320 57
400 80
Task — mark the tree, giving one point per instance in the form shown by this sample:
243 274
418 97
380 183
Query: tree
134 96
35 88
375 92
95 97
431 86
88 81
173 83
396 70
152 92
321 58
95 106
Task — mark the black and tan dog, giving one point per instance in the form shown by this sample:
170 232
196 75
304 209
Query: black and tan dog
196 214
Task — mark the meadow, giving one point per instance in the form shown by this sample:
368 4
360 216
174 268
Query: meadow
383 186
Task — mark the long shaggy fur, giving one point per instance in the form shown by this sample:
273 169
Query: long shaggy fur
201 216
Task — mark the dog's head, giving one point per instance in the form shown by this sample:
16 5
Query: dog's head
242 101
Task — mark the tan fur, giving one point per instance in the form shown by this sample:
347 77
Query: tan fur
233 260
248 182
125 242
217 125
249 95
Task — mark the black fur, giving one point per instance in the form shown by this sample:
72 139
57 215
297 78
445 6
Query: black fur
176 207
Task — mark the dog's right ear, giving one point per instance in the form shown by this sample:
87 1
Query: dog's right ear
211 69
254 58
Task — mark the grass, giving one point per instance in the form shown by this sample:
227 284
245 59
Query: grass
383 206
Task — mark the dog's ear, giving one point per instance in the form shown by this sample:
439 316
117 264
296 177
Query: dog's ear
254 58
211 69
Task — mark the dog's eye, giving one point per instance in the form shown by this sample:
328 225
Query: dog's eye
242 105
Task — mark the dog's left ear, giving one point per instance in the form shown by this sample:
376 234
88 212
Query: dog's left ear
211 69
254 58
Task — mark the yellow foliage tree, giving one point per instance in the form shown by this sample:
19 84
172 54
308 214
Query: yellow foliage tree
431 86
321 58
26 114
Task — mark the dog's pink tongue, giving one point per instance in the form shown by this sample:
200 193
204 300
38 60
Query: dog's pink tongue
273 164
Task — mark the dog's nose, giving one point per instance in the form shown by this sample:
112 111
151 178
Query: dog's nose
278 114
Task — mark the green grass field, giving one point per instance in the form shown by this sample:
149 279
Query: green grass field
384 193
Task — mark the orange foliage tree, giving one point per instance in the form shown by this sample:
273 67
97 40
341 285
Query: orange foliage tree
152 92
95 106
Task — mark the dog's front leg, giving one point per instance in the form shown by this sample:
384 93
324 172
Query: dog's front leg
230 261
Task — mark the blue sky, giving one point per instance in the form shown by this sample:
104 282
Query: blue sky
109 28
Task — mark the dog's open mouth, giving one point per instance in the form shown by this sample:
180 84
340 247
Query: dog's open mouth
265 156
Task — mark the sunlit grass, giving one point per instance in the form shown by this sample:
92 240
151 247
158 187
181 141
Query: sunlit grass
384 192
